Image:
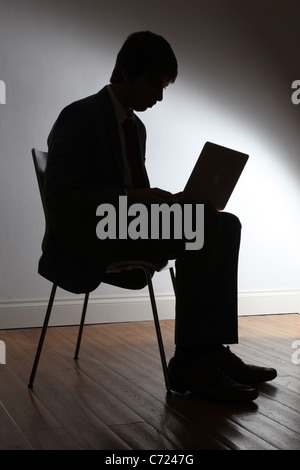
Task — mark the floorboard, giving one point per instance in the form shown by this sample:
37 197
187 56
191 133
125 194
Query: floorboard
113 397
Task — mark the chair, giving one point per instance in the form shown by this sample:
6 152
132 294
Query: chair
40 161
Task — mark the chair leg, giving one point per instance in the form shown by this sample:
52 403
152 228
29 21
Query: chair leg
158 330
173 279
42 337
85 304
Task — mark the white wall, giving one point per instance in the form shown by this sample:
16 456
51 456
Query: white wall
237 61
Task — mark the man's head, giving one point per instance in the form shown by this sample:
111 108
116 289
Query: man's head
145 66
145 53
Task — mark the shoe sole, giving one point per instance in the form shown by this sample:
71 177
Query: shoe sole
218 398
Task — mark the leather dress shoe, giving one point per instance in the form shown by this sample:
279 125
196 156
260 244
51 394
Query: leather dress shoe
236 369
205 380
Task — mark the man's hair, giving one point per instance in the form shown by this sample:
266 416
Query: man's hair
145 52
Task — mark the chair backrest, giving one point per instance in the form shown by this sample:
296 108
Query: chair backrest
40 162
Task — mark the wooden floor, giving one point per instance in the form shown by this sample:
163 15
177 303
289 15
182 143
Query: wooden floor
113 397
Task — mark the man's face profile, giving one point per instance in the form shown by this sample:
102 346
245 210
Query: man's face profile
145 90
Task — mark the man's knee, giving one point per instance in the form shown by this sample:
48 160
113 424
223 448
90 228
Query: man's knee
231 220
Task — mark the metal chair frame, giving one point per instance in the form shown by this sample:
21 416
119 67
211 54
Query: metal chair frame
40 160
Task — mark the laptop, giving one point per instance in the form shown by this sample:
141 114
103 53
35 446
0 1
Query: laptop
214 176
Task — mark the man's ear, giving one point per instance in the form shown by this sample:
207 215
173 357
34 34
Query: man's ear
127 78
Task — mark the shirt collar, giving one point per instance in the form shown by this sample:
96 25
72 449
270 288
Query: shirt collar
119 110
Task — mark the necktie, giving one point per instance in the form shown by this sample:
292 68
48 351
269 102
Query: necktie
132 153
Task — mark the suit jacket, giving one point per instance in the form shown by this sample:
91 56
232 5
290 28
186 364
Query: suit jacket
84 169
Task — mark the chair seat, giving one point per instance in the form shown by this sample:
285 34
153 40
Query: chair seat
117 266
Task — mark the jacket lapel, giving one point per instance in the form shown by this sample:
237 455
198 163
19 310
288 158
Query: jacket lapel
105 105
141 141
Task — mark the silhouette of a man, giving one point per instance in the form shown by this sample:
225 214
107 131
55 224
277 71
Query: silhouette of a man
92 162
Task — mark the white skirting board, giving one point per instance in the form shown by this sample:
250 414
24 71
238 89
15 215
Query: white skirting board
130 307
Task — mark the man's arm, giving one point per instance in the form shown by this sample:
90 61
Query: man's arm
148 195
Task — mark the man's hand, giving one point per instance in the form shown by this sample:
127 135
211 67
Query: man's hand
148 195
